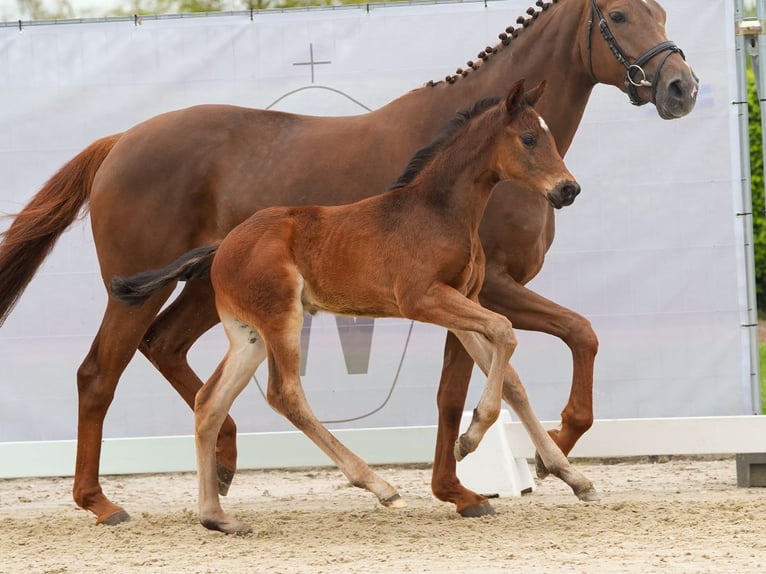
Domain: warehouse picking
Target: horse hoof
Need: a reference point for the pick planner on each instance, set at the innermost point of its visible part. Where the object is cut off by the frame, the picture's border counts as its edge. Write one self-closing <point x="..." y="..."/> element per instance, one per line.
<point x="477" y="510"/>
<point x="234" y="527"/>
<point x="588" y="494"/>
<point x="113" y="519"/>
<point x="394" y="501"/>
<point x="459" y="450"/>
<point x="540" y="469"/>
<point x="225" y="476"/>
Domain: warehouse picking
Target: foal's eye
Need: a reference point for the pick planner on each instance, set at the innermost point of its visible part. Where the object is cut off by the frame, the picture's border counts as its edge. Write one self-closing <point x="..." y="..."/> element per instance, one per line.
<point x="528" y="140"/>
<point x="617" y="17"/>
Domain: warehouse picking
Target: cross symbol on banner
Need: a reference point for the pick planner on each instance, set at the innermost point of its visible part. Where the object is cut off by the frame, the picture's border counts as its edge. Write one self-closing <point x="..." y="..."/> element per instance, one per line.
<point x="312" y="62"/>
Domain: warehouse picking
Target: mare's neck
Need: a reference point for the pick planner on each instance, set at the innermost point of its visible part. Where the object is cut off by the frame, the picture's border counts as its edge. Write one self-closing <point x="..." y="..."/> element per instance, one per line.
<point x="548" y="49"/>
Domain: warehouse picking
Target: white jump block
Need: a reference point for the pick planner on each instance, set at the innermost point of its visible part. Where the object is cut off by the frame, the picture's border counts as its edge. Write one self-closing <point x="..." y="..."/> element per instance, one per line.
<point x="492" y="469"/>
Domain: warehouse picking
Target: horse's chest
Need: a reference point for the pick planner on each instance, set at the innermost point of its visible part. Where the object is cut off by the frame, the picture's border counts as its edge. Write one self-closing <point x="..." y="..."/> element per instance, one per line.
<point x="472" y="273"/>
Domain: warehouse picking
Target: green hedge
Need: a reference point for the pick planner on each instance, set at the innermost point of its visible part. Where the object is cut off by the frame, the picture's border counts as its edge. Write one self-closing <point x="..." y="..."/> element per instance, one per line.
<point x="756" y="167"/>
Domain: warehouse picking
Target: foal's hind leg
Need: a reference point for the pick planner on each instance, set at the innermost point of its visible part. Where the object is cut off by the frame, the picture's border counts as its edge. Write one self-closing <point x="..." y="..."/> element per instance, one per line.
<point x="285" y="394"/>
<point x="166" y="344"/>
<point x="113" y="347"/>
<point x="246" y="351"/>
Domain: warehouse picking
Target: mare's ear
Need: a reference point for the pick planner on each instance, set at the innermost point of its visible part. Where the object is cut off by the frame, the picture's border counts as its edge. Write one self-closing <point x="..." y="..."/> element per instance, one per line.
<point x="533" y="95"/>
<point x="515" y="97"/>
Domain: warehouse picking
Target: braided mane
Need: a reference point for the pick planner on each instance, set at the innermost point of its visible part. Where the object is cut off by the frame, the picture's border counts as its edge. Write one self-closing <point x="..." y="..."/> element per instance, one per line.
<point x="510" y="33"/>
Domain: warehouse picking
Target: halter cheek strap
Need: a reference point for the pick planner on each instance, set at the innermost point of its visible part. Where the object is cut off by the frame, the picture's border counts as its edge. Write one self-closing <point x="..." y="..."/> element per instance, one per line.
<point x="635" y="76"/>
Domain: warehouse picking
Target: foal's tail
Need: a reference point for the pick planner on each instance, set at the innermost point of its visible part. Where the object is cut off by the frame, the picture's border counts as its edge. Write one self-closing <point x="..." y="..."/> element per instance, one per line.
<point x="138" y="288"/>
<point x="34" y="231"/>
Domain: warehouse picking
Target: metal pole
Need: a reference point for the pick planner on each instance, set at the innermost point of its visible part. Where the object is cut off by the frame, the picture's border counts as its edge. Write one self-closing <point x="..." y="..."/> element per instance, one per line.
<point x="747" y="40"/>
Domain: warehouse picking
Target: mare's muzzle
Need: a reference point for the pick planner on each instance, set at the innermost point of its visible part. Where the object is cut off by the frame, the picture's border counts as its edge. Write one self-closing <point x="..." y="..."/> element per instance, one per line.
<point x="564" y="194"/>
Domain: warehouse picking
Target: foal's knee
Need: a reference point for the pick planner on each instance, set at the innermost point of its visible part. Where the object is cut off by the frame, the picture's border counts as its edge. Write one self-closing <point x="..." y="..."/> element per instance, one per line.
<point x="502" y="334"/>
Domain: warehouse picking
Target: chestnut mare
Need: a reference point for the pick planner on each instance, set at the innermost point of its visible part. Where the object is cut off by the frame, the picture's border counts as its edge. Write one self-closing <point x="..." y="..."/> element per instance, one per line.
<point x="413" y="252"/>
<point x="175" y="182"/>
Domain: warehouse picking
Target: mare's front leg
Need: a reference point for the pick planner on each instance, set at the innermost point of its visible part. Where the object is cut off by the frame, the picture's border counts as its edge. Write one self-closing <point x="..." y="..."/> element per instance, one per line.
<point x="453" y="388"/>
<point x="166" y="345"/>
<point x="532" y="312"/>
<point x="246" y="351"/>
<point x="114" y="345"/>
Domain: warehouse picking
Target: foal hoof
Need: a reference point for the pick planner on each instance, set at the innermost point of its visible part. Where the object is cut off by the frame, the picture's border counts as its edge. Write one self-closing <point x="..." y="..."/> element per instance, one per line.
<point x="460" y="449"/>
<point x="234" y="527"/>
<point x="540" y="469"/>
<point x="225" y="476"/>
<point x="114" y="519"/>
<point x="477" y="510"/>
<point x="394" y="501"/>
<point x="589" y="494"/>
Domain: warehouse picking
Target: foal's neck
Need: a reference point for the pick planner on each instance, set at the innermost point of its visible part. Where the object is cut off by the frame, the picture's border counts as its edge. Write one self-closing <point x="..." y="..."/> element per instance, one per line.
<point x="458" y="182"/>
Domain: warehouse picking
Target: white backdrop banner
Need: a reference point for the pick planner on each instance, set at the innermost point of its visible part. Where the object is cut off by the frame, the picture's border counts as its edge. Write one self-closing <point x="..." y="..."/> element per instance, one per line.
<point x="651" y="252"/>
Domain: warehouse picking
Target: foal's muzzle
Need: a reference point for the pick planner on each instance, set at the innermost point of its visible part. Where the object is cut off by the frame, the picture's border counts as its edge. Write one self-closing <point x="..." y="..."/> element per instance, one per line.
<point x="564" y="194"/>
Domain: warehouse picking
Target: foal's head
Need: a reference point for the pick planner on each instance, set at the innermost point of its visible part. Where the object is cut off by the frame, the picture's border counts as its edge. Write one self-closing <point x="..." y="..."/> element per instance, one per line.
<point x="526" y="152"/>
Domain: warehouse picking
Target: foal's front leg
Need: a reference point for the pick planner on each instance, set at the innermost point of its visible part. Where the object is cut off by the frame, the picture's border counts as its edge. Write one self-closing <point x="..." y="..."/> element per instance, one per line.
<point x="532" y="312"/>
<point x="487" y="336"/>
<point x="552" y="457"/>
<point x="515" y="394"/>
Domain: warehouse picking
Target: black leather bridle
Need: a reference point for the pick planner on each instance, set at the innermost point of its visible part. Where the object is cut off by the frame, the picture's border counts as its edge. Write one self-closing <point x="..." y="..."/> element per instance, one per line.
<point x="635" y="76"/>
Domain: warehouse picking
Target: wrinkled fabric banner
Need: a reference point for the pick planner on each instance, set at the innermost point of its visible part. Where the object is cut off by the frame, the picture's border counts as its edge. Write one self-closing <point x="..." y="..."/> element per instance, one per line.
<point x="651" y="252"/>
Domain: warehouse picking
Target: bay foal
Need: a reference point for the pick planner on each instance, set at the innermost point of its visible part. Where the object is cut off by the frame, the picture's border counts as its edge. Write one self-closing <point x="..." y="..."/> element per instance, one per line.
<point x="412" y="252"/>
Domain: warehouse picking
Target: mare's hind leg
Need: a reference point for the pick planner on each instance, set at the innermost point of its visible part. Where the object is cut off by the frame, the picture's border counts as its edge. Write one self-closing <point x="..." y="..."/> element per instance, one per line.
<point x="453" y="388"/>
<point x="285" y="395"/>
<point x="246" y="351"/>
<point x="166" y="345"/>
<point x="114" y="345"/>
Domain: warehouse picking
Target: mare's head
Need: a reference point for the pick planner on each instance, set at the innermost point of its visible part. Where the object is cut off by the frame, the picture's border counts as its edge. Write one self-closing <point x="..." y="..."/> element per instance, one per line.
<point x="626" y="46"/>
<point x="525" y="150"/>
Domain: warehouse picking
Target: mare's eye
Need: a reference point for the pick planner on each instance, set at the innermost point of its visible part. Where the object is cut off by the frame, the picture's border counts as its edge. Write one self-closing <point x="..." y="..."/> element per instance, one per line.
<point x="528" y="140"/>
<point x="617" y="17"/>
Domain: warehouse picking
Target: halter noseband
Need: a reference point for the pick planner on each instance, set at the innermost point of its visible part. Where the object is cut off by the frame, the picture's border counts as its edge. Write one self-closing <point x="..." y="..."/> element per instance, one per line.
<point x="635" y="76"/>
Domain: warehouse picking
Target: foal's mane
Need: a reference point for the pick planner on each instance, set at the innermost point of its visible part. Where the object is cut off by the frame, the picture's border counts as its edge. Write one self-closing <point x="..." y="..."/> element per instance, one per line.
<point x="447" y="134"/>
<point x="506" y="37"/>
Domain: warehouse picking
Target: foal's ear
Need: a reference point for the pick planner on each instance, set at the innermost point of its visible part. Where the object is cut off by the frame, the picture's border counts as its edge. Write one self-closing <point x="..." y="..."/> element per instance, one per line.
<point x="533" y="95"/>
<point x="515" y="97"/>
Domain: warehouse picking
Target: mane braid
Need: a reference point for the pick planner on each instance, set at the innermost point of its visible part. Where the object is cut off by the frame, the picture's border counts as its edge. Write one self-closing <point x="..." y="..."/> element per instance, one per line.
<point x="424" y="155"/>
<point x="505" y="39"/>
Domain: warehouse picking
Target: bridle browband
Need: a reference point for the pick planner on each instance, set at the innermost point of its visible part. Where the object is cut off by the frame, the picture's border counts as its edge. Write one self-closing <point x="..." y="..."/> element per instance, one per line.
<point x="635" y="76"/>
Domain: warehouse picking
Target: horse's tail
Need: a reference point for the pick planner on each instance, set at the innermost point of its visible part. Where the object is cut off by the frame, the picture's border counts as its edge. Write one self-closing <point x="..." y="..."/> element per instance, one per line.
<point x="34" y="231"/>
<point x="138" y="288"/>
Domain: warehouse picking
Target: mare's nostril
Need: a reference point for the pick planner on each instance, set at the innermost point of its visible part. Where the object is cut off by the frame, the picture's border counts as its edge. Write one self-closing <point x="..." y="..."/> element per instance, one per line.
<point x="676" y="89"/>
